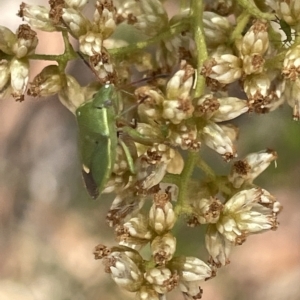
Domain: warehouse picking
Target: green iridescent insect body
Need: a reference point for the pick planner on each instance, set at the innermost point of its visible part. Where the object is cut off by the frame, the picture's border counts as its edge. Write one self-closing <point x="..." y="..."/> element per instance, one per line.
<point x="98" y="138"/>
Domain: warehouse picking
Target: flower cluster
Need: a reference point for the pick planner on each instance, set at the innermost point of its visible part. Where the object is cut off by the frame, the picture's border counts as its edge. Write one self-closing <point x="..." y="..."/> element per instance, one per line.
<point x="249" y="63"/>
<point x="144" y="146"/>
<point x="15" y="68"/>
<point x="164" y="271"/>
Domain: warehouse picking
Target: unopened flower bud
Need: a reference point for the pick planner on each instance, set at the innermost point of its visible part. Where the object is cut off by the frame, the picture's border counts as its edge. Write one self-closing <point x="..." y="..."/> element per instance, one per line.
<point x="90" y="43"/>
<point x="150" y="100"/>
<point x="152" y="165"/>
<point x="181" y="82"/>
<point x="124" y="271"/>
<point x="207" y="210"/>
<point x="263" y="96"/>
<point x="253" y="64"/>
<point x="185" y="135"/>
<point x="290" y="11"/>
<point x="177" y="110"/>
<point x="37" y="16"/>
<point x="215" y="138"/>
<point x="256" y="40"/>
<point x="127" y="12"/>
<point x="257" y="86"/>
<point x="230" y="108"/>
<point x="46" y="83"/>
<point x="224" y="68"/>
<point x="162" y="216"/>
<point x="246" y="170"/>
<point x="291" y="93"/>
<point x="7" y="40"/>
<point x="104" y="18"/>
<point x="178" y="106"/>
<point x="152" y="18"/>
<point x="162" y="279"/>
<point x="103" y="66"/>
<point x="135" y="233"/>
<point x="19" y="69"/>
<point x="169" y="52"/>
<point x="162" y="248"/>
<point x="206" y="106"/>
<point x="75" y="21"/>
<point x="217" y="246"/>
<point x="26" y="42"/>
<point x="194" y="269"/>
<point x="291" y="63"/>
<point x="216" y="28"/>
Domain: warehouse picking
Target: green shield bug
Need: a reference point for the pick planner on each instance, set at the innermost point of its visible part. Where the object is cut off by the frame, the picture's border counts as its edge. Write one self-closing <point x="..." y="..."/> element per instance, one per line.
<point x="98" y="138"/>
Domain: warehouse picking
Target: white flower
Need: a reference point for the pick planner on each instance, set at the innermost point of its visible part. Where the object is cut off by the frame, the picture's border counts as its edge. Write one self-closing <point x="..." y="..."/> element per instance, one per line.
<point x="216" y="139"/>
<point x="19" y="69"/>
<point x="217" y="246"/>
<point x="124" y="271"/>
<point x="37" y="16"/>
<point x="246" y="170"/>
<point x="247" y="212"/>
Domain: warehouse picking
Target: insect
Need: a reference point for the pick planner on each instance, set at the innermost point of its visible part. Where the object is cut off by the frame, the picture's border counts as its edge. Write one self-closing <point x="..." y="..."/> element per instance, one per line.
<point x="287" y="30"/>
<point x="98" y="138"/>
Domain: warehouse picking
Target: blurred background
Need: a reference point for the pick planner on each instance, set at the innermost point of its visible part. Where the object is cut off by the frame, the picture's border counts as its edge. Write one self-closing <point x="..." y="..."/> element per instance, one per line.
<point x="49" y="226"/>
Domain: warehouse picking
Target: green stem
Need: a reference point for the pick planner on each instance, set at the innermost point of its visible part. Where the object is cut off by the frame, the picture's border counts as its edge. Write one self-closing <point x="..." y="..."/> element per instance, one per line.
<point x="242" y="21"/>
<point x="187" y="172"/>
<point x="61" y="59"/>
<point x="197" y="25"/>
<point x="219" y="182"/>
<point x="209" y="172"/>
<point x="252" y="9"/>
<point x="172" y="179"/>
<point x="44" y="57"/>
<point x="174" y="30"/>
<point x="222" y="183"/>
<point x="69" y="52"/>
